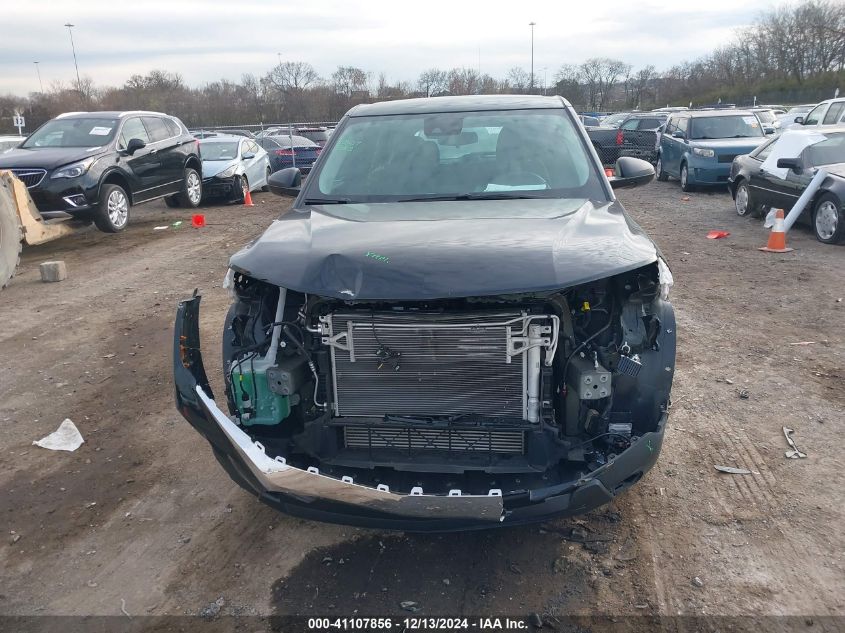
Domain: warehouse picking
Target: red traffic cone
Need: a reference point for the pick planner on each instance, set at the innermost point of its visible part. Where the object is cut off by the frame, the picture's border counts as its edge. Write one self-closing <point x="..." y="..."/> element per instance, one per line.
<point x="777" y="238"/>
<point x="248" y="199"/>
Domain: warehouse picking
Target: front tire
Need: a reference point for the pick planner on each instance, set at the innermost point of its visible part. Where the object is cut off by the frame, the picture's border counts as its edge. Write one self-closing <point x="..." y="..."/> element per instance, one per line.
<point x="191" y="194"/>
<point x="744" y="201"/>
<point x="266" y="186"/>
<point x="829" y="220"/>
<point x="685" y="184"/>
<point x="112" y="213"/>
<point x="662" y="176"/>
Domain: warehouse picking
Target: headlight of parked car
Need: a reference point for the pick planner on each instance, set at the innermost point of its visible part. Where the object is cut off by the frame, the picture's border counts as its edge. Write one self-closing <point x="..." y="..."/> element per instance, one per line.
<point x="228" y="172"/>
<point x="706" y="153"/>
<point x="664" y="277"/>
<point x="75" y="170"/>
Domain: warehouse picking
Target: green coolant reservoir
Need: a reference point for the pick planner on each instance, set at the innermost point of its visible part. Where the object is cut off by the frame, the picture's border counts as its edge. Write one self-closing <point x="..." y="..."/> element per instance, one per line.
<point x="252" y="395"/>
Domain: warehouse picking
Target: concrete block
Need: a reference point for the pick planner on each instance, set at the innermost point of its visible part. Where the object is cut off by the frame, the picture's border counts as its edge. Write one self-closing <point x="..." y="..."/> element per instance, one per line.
<point x="53" y="271"/>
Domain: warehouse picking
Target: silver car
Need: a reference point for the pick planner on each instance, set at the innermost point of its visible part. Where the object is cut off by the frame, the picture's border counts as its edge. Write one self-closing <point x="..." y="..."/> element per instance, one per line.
<point x="233" y="165"/>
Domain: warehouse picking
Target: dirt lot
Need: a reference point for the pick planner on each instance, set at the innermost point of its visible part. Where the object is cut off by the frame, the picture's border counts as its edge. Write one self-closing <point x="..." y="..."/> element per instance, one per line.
<point x="142" y="518"/>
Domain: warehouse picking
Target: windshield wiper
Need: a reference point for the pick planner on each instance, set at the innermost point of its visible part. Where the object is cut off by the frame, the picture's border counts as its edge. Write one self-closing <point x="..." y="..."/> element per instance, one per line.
<point x="480" y="195"/>
<point x="327" y="201"/>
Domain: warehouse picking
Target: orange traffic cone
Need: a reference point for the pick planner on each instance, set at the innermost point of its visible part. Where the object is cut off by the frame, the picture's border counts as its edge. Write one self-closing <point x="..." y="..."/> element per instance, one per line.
<point x="777" y="238"/>
<point x="248" y="199"/>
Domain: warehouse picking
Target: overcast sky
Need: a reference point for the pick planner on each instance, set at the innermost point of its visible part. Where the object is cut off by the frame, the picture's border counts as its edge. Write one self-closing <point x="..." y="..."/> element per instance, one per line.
<point x="209" y="39"/>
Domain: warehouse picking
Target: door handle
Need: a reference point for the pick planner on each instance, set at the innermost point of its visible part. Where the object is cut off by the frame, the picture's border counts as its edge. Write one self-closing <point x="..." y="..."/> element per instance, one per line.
<point x="153" y="151"/>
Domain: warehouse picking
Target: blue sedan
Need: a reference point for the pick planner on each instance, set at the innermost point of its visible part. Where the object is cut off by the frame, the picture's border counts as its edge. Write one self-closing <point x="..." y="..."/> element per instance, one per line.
<point x="290" y="151"/>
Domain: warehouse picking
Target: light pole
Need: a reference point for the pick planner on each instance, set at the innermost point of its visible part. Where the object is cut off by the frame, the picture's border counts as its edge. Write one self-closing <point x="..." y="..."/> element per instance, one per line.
<point x="75" y="64"/>
<point x="531" y="83"/>
<point x="280" y="58"/>
<point x="38" y="70"/>
<point x="545" y="68"/>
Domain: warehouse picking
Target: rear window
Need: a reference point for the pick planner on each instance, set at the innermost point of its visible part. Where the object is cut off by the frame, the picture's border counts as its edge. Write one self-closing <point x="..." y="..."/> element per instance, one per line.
<point x="75" y="132"/>
<point x="318" y="136"/>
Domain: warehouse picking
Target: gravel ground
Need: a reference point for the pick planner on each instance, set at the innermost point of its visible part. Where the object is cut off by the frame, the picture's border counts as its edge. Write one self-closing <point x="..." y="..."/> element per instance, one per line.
<point x="141" y="518"/>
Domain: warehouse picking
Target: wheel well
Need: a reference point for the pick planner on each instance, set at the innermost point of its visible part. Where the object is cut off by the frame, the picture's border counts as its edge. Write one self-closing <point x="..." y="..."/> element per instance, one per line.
<point x="811" y="206"/>
<point x="116" y="178"/>
<point x="195" y="163"/>
<point x="735" y="185"/>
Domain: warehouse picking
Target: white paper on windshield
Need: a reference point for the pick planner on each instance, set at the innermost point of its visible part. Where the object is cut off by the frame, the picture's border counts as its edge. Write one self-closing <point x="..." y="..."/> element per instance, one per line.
<point x="790" y="145"/>
<point x="497" y="187"/>
<point x="750" y="120"/>
<point x="100" y="131"/>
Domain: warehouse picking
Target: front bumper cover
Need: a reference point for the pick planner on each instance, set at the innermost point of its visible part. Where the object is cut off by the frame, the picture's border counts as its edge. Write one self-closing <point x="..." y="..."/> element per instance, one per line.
<point x="309" y="494"/>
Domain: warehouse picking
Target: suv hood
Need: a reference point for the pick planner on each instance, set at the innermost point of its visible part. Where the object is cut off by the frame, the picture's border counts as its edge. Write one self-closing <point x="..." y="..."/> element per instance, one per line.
<point x="47" y="157"/>
<point x="556" y="244"/>
<point x="213" y="167"/>
<point x="734" y="145"/>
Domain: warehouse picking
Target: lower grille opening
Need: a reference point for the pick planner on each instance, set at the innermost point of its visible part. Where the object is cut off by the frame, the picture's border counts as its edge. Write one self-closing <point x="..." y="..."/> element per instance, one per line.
<point x="494" y="441"/>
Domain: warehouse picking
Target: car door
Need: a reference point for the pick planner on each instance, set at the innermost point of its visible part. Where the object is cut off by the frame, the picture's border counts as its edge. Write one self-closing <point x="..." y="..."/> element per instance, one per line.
<point x="667" y="144"/>
<point x="760" y="183"/>
<point x="140" y="167"/>
<point x="253" y="165"/>
<point x="166" y="148"/>
<point x="781" y="193"/>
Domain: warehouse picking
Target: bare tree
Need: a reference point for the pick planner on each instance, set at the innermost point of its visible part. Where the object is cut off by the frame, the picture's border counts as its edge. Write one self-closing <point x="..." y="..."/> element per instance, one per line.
<point x="518" y="80"/>
<point x="432" y="82"/>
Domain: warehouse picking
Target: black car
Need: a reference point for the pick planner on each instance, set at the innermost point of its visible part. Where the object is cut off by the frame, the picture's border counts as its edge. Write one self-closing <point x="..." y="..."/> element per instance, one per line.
<point x="753" y="188"/>
<point x="637" y="135"/>
<point x="455" y="326"/>
<point x="96" y="165"/>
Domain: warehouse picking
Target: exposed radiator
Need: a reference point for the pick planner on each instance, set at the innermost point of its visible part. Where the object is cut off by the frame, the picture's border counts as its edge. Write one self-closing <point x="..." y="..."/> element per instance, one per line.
<point x="410" y="439"/>
<point x="431" y="364"/>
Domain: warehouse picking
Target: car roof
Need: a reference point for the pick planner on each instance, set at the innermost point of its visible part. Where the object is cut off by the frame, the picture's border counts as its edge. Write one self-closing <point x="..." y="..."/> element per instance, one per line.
<point x="469" y="103"/>
<point x="696" y="114"/>
<point x="285" y="137"/>
<point x="116" y="114"/>
<point x="223" y="137"/>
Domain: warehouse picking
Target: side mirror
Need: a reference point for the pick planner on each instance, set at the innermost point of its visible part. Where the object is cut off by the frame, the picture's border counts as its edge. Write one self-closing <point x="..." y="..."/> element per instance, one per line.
<point x="790" y="163"/>
<point x="286" y="182"/>
<point x="678" y="134"/>
<point x="134" y="145"/>
<point x="248" y="156"/>
<point x="799" y="119"/>
<point x="768" y="130"/>
<point x="631" y="172"/>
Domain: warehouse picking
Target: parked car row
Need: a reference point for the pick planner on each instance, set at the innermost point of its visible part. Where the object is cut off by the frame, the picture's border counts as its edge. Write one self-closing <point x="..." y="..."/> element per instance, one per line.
<point x="755" y="188"/>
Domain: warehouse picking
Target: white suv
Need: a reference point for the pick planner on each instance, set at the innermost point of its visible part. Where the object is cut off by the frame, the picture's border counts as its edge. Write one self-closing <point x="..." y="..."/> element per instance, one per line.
<point x="830" y="112"/>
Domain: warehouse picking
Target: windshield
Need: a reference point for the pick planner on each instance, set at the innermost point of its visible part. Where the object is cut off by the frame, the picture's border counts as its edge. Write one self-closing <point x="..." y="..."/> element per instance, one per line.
<point x="828" y="152"/>
<point x="739" y="126"/>
<point x="87" y="132"/>
<point x="513" y="153"/>
<point x="219" y="151"/>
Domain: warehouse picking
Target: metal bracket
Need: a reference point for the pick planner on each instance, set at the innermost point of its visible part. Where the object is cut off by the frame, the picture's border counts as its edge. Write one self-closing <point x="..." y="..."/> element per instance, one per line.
<point x="522" y="341"/>
<point x="334" y="340"/>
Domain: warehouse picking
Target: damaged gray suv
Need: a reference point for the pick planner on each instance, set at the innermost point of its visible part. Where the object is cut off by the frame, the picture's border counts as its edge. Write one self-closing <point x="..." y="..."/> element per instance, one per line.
<point x="456" y="326"/>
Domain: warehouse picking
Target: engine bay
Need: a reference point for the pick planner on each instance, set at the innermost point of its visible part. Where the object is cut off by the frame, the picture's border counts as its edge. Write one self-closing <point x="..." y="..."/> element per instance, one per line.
<point x="508" y="392"/>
